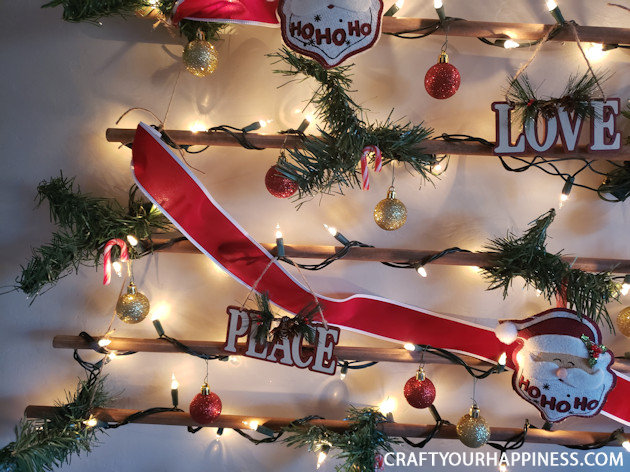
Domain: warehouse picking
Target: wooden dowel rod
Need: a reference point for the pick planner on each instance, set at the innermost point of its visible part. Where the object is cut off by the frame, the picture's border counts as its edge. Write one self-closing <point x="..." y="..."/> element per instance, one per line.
<point x="216" y="348"/>
<point x="516" y="31"/>
<point x="354" y="353"/>
<point x="374" y="254"/>
<point x="220" y="138"/>
<point x="174" y="418"/>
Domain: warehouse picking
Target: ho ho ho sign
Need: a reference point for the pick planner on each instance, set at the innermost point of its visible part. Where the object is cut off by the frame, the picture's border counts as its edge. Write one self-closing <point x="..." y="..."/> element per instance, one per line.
<point x="540" y="136"/>
<point x="285" y="351"/>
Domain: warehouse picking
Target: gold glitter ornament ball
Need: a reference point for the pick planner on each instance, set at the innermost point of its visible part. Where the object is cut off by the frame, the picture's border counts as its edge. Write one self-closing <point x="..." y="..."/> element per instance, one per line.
<point x="133" y="306"/>
<point x="472" y="429"/>
<point x="390" y="213"/>
<point x="623" y="322"/>
<point x="200" y="58"/>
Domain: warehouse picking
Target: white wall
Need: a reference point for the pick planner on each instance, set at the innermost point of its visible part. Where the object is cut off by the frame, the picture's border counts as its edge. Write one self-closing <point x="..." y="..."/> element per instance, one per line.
<point x="63" y="84"/>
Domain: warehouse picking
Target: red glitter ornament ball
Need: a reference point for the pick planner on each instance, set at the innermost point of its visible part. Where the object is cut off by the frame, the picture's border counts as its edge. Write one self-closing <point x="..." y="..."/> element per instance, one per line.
<point x="206" y="406"/>
<point x="419" y="393"/>
<point x="279" y="185"/>
<point x="442" y="79"/>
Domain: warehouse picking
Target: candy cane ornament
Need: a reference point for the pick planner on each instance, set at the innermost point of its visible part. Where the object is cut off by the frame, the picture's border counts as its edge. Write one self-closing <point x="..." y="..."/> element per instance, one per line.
<point x="107" y="258"/>
<point x="378" y="164"/>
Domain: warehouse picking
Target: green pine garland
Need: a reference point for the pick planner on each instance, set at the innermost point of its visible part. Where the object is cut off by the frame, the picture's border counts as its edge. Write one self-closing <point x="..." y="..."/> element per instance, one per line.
<point x="85" y="225"/>
<point x="328" y="163"/>
<point x="356" y="447"/>
<point x="527" y="257"/>
<point x="42" y="445"/>
<point x="288" y="328"/>
<point x="578" y="93"/>
<point x="91" y="11"/>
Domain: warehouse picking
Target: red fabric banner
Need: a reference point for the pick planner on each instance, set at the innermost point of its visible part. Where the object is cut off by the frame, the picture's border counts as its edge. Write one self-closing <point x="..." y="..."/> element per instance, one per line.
<point x="170" y="185"/>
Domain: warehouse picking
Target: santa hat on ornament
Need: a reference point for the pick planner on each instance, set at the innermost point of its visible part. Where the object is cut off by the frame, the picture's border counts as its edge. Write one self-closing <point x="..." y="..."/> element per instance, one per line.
<point x="249" y="12"/>
<point x="556" y="330"/>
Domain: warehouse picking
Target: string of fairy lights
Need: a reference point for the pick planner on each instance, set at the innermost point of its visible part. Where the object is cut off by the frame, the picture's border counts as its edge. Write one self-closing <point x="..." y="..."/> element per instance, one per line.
<point x="419" y="391"/>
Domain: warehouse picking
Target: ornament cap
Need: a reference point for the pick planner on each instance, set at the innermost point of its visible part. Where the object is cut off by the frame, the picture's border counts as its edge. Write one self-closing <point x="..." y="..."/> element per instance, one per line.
<point x="420" y="375"/>
<point x="391" y="192"/>
<point x="131" y="288"/>
<point x="205" y="390"/>
<point x="443" y="59"/>
<point x="474" y="411"/>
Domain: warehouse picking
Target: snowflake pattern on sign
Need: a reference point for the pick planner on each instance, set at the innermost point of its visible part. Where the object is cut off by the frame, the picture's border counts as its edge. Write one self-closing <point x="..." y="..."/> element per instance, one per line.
<point x="330" y="32"/>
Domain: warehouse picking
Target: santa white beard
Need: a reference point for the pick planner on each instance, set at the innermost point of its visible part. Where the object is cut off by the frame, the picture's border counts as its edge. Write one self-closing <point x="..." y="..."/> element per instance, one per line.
<point x="578" y="394"/>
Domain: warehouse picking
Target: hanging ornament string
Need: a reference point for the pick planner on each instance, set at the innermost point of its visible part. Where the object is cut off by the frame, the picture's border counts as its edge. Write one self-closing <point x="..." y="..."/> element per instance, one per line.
<point x="378" y="164"/>
<point x="550" y="33"/>
<point x="107" y="258"/>
<point x="308" y="286"/>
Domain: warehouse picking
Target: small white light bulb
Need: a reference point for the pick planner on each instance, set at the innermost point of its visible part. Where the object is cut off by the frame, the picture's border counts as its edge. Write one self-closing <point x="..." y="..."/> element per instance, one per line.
<point x="90" y="422"/>
<point x="437" y="3"/>
<point x="400" y="3"/>
<point x="595" y="52"/>
<point x="278" y="232"/>
<point x="387" y="406"/>
<point x="502" y="359"/>
<point x="132" y="240"/>
<point x="331" y="229"/>
<point x="410" y="346"/>
<point x="104" y="342"/>
<point x="253" y="424"/>
<point x="174" y="382"/>
<point x="626" y="445"/>
<point x="112" y="356"/>
<point x="117" y="266"/>
<point x="625" y="288"/>
<point x="510" y="44"/>
<point x="422" y="271"/>
<point x="551" y="4"/>
<point x="503" y="467"/>
<point x="197" y="126"/>
<point x="321" y="457"/>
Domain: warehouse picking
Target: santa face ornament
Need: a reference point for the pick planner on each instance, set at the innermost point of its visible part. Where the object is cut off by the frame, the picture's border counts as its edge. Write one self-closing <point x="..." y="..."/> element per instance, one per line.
<point x="561" y="367"/>
<point x="331" y="31"/>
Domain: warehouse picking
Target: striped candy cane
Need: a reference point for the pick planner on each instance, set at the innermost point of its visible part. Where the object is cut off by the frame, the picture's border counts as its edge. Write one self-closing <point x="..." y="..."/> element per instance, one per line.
<point x="378" y="164"/>
<point x="107" y="258"/>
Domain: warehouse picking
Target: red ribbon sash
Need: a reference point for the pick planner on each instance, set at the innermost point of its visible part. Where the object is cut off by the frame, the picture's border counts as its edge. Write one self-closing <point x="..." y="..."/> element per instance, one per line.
<point x="169" y="184"/>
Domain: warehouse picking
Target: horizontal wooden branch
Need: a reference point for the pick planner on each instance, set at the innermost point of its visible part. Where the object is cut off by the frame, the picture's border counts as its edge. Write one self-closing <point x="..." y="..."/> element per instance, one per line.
<point x="216" y="348"/>
<point x="342" y="352"/>
<point x="540" y="436"/>
<point x="220" y="138"/>
<point x="515" y="31"/>
<point x="374" y="254"/>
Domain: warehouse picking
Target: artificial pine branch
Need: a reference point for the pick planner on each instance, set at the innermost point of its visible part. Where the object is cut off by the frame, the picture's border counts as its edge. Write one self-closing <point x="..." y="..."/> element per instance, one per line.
<point x="91" y="11"/>
<point x="527" y="257"/>
<point x="356" y="447"/>
<point x="42" y="445"/>
<point x="288" y="328"/>
<point x="85" y="224"/>
<point x="328" y="163"/>
<point x="575" y="99"/>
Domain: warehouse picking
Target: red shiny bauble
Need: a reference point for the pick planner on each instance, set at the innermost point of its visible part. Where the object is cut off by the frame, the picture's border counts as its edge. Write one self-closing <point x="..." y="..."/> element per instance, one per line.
<point x="442" y="79"/>
<point x="419" y="393"/>
<point x="278" y="184"/>
<point x="205" y="407"/>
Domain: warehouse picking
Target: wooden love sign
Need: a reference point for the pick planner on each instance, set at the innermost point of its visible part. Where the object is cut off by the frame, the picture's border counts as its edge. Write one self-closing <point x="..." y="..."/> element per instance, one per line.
<point x="283" y="351"/>
<point x="603" y="133"/>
